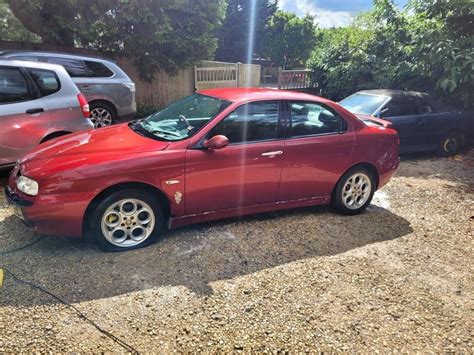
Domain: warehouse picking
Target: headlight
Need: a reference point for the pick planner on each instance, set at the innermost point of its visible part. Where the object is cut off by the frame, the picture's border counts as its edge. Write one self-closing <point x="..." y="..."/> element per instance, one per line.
<point x="27" y="186"/>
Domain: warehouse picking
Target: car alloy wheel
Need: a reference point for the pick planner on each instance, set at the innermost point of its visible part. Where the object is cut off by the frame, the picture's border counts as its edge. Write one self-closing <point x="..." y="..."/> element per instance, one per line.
<point x="101" y="117"/>
<point x="128" y="223"/>
<point x="356" y="191"/>
<point x="450" y="145"/>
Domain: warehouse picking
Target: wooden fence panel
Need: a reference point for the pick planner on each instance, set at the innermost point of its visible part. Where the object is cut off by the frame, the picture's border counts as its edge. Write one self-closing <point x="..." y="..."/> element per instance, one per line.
<point x="296" y="79"/>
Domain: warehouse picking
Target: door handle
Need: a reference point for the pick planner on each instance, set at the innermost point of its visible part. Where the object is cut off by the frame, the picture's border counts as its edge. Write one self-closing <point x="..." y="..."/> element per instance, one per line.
<point x="33" y="111"/>
<point x="86" y="87"/>
<point x="272" y="154"/>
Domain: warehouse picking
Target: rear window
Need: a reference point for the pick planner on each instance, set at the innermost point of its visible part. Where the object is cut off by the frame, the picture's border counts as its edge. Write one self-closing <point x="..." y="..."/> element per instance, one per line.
<point x="98" y="70"/>
<point x="13" y="86"/>
<point x="365" y="104"/>
<point x="46" y="80"/>
<point x="75" y="67"/>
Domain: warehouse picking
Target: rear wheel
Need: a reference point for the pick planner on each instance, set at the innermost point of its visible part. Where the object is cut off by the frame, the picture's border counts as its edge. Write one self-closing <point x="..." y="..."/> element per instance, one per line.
<point x="450" y="144"/>
<point x="354" y="191"/>
<point x="127" y="219"/>
<point x="102" y="114"/>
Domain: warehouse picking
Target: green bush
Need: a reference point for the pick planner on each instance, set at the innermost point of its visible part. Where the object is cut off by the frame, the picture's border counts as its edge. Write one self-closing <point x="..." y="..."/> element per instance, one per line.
<point x="145" y="110"/>
<point x="427" y="47"/>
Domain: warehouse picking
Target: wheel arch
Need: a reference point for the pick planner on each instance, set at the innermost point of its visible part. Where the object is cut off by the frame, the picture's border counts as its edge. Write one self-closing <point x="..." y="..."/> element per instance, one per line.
<point x="106" y="102"/>
<point x="154" y="191"/>
<point x="54" y="135"/>
<point x="371" y="167"/>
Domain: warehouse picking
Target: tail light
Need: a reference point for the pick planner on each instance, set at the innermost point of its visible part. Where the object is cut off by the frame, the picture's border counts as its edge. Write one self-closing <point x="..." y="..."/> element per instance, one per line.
<point x="84" y="105"/>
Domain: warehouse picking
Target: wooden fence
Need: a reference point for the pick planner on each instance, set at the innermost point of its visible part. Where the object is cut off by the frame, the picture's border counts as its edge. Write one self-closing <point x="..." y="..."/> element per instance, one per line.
<point x="210" y="74"/>
<point x="296" y="79"/>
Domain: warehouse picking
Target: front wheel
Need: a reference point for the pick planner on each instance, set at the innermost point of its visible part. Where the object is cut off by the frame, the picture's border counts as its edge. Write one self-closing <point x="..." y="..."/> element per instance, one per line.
<point x="354" y="191"/>
<point x="125" y="220"/>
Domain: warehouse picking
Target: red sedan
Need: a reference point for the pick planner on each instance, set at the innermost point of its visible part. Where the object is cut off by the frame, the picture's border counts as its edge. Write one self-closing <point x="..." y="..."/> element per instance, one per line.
<point x="215" y="154"/>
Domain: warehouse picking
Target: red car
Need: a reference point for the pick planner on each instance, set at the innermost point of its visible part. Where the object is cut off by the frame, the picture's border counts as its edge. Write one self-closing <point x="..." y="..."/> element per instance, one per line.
<point x="215" y="154"/>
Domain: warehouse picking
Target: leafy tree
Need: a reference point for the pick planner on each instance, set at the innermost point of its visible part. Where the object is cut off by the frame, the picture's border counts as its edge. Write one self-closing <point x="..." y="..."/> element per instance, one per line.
<point x="427" y="47"/>
<point x="159" y="34"/>
<point x="11" y="29"/>
<point x="342" y="62"/>
<point x="442" y="46"/>
<point x="234" y="33"/>
<point x="290" y="39"/>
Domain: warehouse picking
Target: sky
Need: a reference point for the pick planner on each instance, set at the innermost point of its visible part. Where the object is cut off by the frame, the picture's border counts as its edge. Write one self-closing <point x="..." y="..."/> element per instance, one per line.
<point x="330" y="13"/>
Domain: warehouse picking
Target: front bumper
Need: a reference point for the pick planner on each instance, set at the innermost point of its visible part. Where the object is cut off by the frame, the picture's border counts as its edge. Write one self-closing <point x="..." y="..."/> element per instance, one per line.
<point x="17" y="203"/>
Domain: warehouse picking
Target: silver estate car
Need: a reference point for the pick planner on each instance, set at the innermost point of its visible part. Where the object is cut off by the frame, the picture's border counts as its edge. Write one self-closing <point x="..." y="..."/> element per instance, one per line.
<point x="109" y="91"/>
<point x="38" y="102"/>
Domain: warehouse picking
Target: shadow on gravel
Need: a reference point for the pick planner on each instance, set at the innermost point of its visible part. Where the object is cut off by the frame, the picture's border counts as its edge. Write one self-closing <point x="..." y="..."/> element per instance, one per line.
<point x="193" y="256"/>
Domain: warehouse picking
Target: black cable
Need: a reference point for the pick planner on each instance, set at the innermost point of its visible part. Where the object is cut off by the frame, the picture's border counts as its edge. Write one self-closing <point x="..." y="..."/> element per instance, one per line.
<point x="22" y="247"/>
<point x="78" y="312"/>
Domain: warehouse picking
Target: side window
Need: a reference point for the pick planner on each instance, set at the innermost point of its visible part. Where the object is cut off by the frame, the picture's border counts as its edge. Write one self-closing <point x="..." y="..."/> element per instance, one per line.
<point x="13" y="86"/>
<point x="74" y="67"/>
<point x="407" y="106"/>
<point x="46" y="81"/>
<point x="257" y="121"/>
<point x="98" y="70"/>
<point x="309" y="118"/>
<point x="425" y="108"/>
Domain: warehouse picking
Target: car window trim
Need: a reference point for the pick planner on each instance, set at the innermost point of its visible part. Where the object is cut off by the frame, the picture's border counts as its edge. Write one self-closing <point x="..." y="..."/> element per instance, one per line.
<point x="32" y="91"/>
<point x="36" y="85"/>
<point x="280" y="128"/>
<point x="330" y="109"/>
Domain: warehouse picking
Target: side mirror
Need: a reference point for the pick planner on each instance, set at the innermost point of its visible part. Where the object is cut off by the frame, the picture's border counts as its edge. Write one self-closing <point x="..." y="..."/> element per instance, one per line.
<point x="216" y="142"/>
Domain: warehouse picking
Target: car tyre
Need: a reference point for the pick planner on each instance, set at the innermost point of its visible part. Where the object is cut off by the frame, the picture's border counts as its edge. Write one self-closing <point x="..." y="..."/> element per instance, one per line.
<point x="450" y="144"/>
<point x="127" y="219"/>
<point x="354" y="191"/>
<point x="102" y="114"/>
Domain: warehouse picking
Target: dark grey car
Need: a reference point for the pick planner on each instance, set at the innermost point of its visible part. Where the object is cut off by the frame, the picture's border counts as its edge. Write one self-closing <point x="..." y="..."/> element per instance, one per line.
<point x="109" y="91"/>
<point x="422" y="122"/>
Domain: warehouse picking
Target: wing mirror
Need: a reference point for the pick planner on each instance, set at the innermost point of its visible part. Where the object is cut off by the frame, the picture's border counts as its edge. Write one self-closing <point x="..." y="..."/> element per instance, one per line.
<point x="216" y="142"/>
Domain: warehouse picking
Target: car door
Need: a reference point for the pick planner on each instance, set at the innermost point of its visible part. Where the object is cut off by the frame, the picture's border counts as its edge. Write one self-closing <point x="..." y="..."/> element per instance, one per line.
<point x="318" y="147"/>
<point x="405" y="116"/>
<point x="438" y="121"/>
<point x="247" y="171"/>
<point x="24" y="117"/>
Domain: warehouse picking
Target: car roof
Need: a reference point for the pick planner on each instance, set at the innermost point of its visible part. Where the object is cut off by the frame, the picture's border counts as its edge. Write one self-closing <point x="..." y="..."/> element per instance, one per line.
<point x="260" y="94"/>
<point x="392" y="93"/>
<point x="27" y="64"/>
<point x="56" y="54"/>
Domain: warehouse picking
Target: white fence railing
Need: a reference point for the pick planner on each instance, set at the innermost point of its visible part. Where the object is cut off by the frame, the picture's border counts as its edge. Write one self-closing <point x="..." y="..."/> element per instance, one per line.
<point x="209" y="75"/>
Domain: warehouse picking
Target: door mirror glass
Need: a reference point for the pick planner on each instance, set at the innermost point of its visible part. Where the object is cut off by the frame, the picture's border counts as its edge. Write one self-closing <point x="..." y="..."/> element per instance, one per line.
<point x="216" y="142"/>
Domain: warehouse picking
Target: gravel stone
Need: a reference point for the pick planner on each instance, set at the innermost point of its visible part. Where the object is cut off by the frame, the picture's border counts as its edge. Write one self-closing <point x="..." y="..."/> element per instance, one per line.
<point x="398" y="277"/>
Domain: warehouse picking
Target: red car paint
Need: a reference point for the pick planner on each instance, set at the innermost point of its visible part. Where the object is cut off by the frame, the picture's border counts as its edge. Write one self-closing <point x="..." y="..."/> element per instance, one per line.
<point x="74" y="170"/>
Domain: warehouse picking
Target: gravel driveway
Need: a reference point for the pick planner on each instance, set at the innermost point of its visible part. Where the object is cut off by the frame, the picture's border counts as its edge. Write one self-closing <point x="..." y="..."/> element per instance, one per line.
<point x="399" y="276"/>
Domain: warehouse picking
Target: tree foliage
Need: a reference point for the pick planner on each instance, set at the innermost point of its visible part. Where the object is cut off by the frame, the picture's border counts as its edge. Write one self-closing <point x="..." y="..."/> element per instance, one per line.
<point x="234" y="34"/>
<point x="159" y="34"/>
<point x="11" y="29"/>
<point x="428" y="47"/>
<point x="290" y="39"/>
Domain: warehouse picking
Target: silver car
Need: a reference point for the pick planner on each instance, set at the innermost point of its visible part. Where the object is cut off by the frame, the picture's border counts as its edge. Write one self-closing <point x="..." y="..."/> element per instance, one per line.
<point x="110" y="92"/>
<point x="38" y="102"/>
